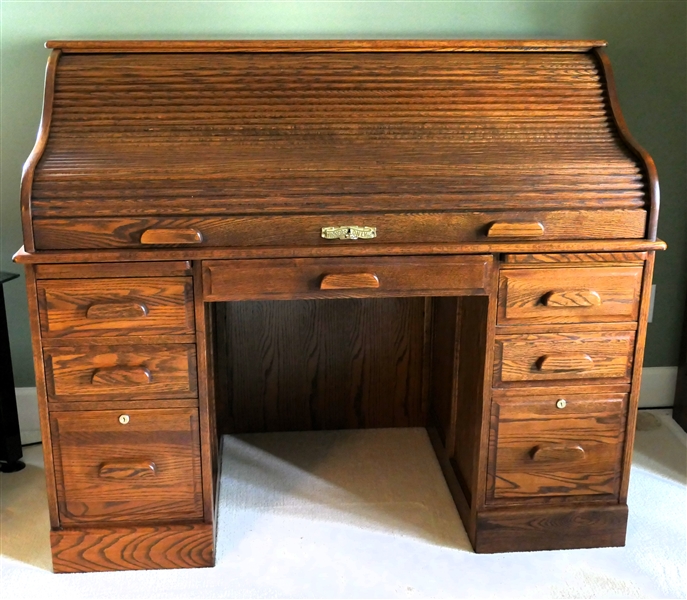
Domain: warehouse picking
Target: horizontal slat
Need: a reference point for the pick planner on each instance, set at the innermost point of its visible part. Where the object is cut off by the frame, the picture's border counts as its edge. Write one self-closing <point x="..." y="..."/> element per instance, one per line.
<point x="233" y="131"/>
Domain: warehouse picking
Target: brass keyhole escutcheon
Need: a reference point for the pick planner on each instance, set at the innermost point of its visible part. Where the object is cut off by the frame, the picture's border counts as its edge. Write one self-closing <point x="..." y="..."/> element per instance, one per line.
<point x="123" y="419"/>
<point x="561" y="403"/>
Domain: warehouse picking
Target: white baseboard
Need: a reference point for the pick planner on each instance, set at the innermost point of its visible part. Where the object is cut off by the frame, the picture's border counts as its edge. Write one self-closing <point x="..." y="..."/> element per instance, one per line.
<point x="658" y="387"/>
<point x="657" y="391"/>
<point x="27" y="407"/>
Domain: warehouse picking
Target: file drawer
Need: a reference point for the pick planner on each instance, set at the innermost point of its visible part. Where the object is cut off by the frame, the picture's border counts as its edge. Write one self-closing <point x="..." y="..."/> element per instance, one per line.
<point x="555" y="445"/>
<point x="139" y="465"/>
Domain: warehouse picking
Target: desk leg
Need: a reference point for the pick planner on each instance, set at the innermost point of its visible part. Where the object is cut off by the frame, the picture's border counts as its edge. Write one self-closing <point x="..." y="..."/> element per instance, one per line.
<point x="10" y="440"/>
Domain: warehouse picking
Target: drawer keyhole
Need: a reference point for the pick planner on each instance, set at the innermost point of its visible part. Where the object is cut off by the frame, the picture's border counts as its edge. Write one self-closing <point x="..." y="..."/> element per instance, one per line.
<point x="561" y="403"/>
<point x="123" y="419"/>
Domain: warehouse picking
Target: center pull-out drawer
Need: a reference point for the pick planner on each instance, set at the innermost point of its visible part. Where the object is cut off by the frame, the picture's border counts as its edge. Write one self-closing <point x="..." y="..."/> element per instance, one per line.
<point x="557" y="445"/>
<point x="569" y="295"/>
<point x="82" y="373"/>
<point x="137" y="465"/>
<point x="331" y="228"/>
<point x="145" y="306"/>
<point x="345" y="277"/>
<point x="536" y="359"/>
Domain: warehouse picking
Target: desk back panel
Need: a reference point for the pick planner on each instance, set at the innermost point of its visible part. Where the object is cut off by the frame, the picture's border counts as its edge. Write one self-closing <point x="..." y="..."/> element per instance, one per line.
<point x="320" y="364"/>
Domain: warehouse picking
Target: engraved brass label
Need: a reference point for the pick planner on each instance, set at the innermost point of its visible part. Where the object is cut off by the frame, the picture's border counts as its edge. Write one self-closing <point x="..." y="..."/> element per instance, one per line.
<point x="349" y="232"/>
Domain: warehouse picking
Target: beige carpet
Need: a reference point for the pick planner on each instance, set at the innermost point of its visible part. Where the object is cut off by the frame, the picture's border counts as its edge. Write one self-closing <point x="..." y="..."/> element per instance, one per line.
<point x="366" y="514"/>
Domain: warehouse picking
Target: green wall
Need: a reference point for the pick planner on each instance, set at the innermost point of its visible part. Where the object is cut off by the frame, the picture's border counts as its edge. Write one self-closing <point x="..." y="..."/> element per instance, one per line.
<point x="647" y="46"/>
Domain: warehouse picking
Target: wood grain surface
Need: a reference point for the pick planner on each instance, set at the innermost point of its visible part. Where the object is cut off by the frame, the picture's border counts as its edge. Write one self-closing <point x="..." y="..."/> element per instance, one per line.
<point x="86" y="442"/>
<point x="540" y="450"/>
<point x="303" y="278"/>
<point x="572" y="259"/>
<point x="292" y="230"/>
<point x="550" y="528"/>
<point x="158" y="46"/>
<point x="389" y="131"/>
<point x="129" y="372"/>
<point x="520" y="358"/>
<point x="59" y="257"/>
<point x="132" y="547"/>
<point x="74" y="308"/>
<point x="309" y="365"/>
<point x="574" y="295"/>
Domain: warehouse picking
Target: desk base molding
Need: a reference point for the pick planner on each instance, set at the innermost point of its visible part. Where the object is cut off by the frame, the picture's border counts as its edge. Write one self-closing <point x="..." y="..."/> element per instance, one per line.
<point x="171" y="546"/>
<point x="550" y="528"/>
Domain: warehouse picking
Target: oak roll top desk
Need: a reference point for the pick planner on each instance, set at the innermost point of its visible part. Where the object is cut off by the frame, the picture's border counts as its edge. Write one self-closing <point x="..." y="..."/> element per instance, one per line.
<point x="228" y="237"/>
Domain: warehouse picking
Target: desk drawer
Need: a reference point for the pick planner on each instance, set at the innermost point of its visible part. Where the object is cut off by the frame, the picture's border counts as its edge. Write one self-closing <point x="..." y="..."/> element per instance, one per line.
<point x="146" y="306"/>
<point x="345" y="277"/>
<point x="306" y="230"/>
<point x="542" y="447"/>
<point x="569" y="295"/>
<point x="552" y="358"/>
<point x="83" y="373"/>
<point x="137" y="465"/>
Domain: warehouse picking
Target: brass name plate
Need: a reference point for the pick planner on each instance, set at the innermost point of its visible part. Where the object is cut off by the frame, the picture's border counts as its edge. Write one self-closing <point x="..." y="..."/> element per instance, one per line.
<point x="349" y="232"/>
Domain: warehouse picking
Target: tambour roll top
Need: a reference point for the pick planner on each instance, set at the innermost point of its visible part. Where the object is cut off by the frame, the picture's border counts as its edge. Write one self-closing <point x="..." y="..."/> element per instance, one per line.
<point x="325" y="133"/>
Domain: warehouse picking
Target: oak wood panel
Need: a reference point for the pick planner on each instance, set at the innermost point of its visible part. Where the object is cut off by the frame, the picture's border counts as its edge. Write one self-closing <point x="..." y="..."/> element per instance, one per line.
<point x="121" y="404"/>
<point x="550" y="528"/>
<point x="638" y="360"/>
<point x="292" y="230"/>
<point x="134" y="129"/>
<point x="42" y="393"/>
<point x="538" y="449"/>
<point x="37" y="152"/>
<point x="594" y="294"/>
<point x="96" y="373"/>
<point x="312" y="365"/>
<point x="443" y="376"/>
<point x="572" y="259"/>
<point x="156" y="46"/>
<point x="469" y="394"/>
<point x="61" y="257"/>
<point x="150" y="306"/>
<point x="116" y="270"/>
<point x="131" y="547"/>
<point x="449" y="469"/>
<point x="302" y="278"/>
<point x="206" y="399"/>
<point x="86" y="441"/>
<point x="520" y="359"/>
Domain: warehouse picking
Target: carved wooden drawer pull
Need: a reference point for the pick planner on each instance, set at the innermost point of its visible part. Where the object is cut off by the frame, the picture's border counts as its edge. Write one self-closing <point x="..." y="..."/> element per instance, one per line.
<point x="127" y="469"/>
<point x="564" y="361"/>
<point x="349" y="281"/>
<point x="171" y="236"/>
<point x="121" y="376"/>
<point x="116" y="310"/>
<point x="557" y="453"/>
<point x="571" y="299"/>
<point x="510" y="229"/>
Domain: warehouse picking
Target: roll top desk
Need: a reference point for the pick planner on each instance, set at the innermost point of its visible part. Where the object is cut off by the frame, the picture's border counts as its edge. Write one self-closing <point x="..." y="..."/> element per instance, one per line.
<point x="231" y="237"/>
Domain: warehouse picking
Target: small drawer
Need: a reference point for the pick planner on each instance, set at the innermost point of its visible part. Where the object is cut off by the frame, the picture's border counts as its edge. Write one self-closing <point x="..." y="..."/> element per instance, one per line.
<point x="139" y="465"/>
<point x="345" y="277"/>
<point x="145" y="306"/>
<point x="445" y="227"/>
<point x="536" y="359"/>
<point x="83" y="373"/>
<point x="556" y="445"/>
<point x="569" y="295"/>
